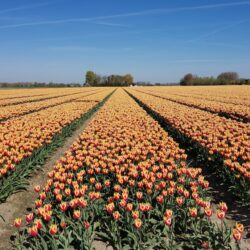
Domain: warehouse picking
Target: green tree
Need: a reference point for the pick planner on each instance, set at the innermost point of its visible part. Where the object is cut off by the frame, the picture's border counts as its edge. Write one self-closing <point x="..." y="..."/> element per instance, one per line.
<point x="90" y="77"/>
<point x="128" y="79"/>
<point x="97" y="80"/>
<point x="228" y="77"/>
<point x="94" y="79"/>
<point x="187" y="79"/>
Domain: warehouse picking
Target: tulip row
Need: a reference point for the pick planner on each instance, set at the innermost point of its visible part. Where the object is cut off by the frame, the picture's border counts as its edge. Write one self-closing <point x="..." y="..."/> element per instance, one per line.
<point x="18" y="94"/>
<point x="13" y="97"/>
<point x="229" y="110"/>
<point x="8" y="112"/>
<point x="32" y="97"/>
<point x="21" y="137"/>
<point x="218" y="135"/>
<point x="238" y="95"/>
<point x="124" y="181"/>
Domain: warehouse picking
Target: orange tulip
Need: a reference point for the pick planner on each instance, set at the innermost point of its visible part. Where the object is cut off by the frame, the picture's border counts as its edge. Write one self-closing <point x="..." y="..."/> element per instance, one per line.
<point x="237" y="235"/>
<point x="137" y="223"/>
<point x="18" y="222"/>
<point x="29" y="217"/>
<point x="37" y="188"/>
<point x="221" y="214"/>
<point x="168" y="221"/>
<point x="193" y="211"/>
<point x="53" y="229"/>
<point x="33" y="231"/>
<point x="76" y="214"/>
<point x="116" y="215"/>
<point x="239" y="227"/>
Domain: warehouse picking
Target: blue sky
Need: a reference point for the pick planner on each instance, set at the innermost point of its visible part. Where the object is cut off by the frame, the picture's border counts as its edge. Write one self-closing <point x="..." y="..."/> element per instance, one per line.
<point x="155" y="40"/>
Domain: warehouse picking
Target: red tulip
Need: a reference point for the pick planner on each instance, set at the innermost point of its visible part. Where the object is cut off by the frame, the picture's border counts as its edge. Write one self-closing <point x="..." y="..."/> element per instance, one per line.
<point x="237" y="235"/>
<point x="18" y="222"/>
<point x="33" y="231"/>
<point x="135" y="214"/>
<point x="179" y="200"/>
<point x="208" y="212"/>
<point x="116" y="215"/>
<point x="137" y="223"/>
<point x="110" y="207"/>
<point x="38" y="203"/>
<point x="37" y="188"/>
<point x="193" y="211"/>
<point x="86" y="225"/>
<point x="38" y="223"/>
<point x="205" y="244"/>
<point x="123" y="203"/>
<point x="168" y="213"/>
<point x="53" y="229"/>
<point x="221" y="214"/>
<point x="223" y="206"/>
<point x="168" y="221"/>
<point x="63" y="224"/>
<point x="47" y="216"/>
<point x="64" y="206"/>
<point x="129" y="207"/>
<point x="82" y="202"/>
<point x="139" y="195"/>
<point x="76" y="214"/>
<point x="160" y="199"/>
<point x="42" y="196"/>
<point x="29" y="217"/>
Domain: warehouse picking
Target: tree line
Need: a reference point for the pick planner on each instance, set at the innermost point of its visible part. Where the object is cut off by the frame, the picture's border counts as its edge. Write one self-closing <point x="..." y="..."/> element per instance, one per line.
<point x="225" y="78"/>
<point x="38" y="85"/>
<point x="93" y="79"/>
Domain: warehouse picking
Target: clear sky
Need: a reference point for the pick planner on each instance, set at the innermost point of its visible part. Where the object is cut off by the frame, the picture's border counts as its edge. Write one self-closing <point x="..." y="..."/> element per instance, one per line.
<point x="155" y="40"/>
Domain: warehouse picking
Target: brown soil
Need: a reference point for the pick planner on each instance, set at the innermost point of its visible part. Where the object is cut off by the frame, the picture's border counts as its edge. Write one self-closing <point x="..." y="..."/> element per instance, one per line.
<point x="245" y="242"/>
<point x="236" y="211"/>
<point x="99" y="245"/>
<point x="17" y="204"/>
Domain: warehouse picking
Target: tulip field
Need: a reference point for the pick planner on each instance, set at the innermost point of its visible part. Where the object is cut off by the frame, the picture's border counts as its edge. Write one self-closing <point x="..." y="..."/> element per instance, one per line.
<point x="22" y="136"/>
<point x="225" y="140"/>
<point x="130" y="180"/>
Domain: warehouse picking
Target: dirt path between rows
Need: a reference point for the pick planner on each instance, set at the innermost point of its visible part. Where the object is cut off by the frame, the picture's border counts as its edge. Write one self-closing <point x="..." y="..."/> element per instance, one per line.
<point x="21" y="203"/>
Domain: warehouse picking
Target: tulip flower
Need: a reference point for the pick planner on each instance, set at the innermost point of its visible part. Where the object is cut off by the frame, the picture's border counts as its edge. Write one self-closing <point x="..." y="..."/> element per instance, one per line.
<point x="86" y="225"/>
<point x="208" y="212"/>
<point x="135" y="214"/>
<point x="63" y="224"/>
<point x="116" y="215"/>
<point x="29" y="218"/>
<point x="64" y="206"/>
<point x="137" y="223"/>
<point x="18" y="222"/>
<point x="37" y="188"/>
<point x="221" y="214"/>
<point x="76" y="214"/>
<point x="33" y="231"/>
<point x="205" y="244"/>
<point x="223" y="206"/>
<point x="53" y="229"/>
<point x="168" y="213"/>
<point x="237" y="235"/>
<point x="168" y="221"/>
<point x="239" y="227"/>
<point x="193" y="212"/>
<point x="38" y="223"/>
